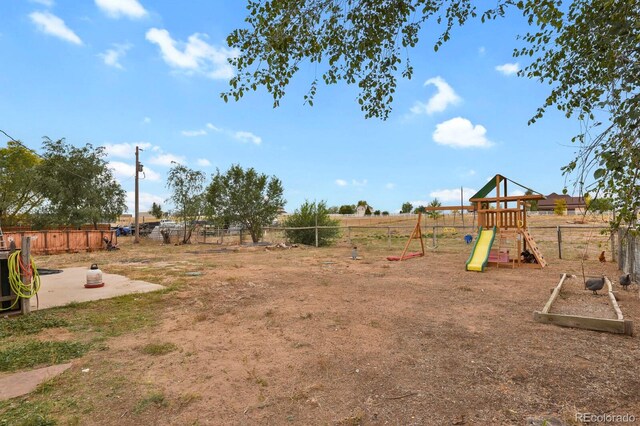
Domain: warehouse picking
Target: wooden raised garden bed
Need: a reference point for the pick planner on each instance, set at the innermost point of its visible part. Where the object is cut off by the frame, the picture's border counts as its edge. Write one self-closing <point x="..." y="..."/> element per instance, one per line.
<point x="599" y="313"/>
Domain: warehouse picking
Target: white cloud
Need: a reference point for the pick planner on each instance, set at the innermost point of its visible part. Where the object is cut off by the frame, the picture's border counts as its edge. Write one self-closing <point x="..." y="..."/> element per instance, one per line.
<point x="49" y="23"/>
<point x="461" y="133"/>
<point x="341" y="182"/>
<point x="214" y="128"/>
<point x="146" y="120"/>
<point x="482" y="50"/>
<point x="203" y="162"/>
<point x="122" y="171"/>
<point x="517" y="192"/>
<point x="145" y="200"/>
<point x="418" y="203"/>
<point x="118" y="8"/>
<point x="192" y="133"/>
<point x="508" y="69"/>
<point x="390" y="185"/>
<point x="166" y="159"/>
<point x="243" y="136"/>
<point x="444" y="97"/>
<point x="362" y="182"/>
<point x="468" y="173"/>
<point x="47" y="3"/>
<point x="112" y="56"/>
<point x="125" y="150"/>
<point x="452" y="196"/>
<point x="195" y="56"/>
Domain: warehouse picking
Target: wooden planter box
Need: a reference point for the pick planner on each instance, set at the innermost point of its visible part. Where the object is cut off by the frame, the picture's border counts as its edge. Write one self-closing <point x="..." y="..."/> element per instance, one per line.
<point x="618" y="325"/>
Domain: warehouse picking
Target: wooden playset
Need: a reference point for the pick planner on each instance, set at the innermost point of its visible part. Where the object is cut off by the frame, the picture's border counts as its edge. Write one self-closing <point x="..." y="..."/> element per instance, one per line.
<point x="503" y="237"/>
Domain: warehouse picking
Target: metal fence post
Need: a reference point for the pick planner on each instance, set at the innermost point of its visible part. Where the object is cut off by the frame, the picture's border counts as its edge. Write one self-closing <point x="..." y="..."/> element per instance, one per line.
<point x="434" y="237"/>
<point x="559" y="242"/>
<point x="389" y="237"/>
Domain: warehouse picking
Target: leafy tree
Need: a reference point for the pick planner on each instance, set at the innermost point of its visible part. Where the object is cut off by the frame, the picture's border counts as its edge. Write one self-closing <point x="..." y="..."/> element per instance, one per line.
<point x="156" y="210"/>
<point x="19" y="183"/>
<point x="347" y="209"/>
<point x="385" y="213"/>
<point x="419" y="209"/>
<point x="246" y="197"/>
<point x="587" y="200"/>
<point x="601" y="205"/>
<point x="406" y="207"/>
<point x="532" y="205"/>
<point x="78" y="185"/>
<point x="560" y="207"/>
<point x="187" y="196"/>
<point x="333" y="210"/>
<point x="434" y="214"/>
<point x="376" y="213"/>
<point x="362" y="203"/>
<point x="307" y="216"/>
<point x="367" y="211"/>
<point x="586" y="50"/>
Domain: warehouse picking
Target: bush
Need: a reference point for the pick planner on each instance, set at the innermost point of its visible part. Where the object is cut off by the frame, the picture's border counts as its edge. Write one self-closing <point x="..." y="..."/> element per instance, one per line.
<point x="305" y="216"/>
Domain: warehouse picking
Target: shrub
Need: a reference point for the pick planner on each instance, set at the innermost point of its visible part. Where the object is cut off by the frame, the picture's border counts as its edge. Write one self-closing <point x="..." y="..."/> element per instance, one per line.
<point x="560" y="207"/>
<point x="305" y="216"/>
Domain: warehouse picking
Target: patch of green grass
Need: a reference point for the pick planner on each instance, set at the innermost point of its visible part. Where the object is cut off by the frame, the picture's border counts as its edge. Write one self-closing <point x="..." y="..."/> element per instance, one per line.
<point x="26" y="413"/>
<point x="158" y="348"/>
<point x="31" y="353"/>
<point x="30" y="324"/>
<point x="155" y="399"/>
<point x="116" y="316"/>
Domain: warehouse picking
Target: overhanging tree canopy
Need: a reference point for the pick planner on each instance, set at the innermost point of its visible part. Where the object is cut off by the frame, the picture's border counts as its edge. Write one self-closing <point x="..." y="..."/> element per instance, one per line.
<point x="586" y="49"/>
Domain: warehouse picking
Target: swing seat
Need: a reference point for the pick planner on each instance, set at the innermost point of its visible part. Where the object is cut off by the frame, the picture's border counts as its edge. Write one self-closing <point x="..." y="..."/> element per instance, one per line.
<point x="406" y="256"/>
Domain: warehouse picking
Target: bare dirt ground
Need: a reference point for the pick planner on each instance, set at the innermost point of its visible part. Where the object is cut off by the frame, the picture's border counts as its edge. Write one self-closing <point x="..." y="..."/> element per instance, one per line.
<point x="309" y="336"/>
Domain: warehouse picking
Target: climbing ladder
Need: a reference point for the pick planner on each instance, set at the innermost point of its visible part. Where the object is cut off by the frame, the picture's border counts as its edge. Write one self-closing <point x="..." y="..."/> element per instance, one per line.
<point x="533" y="247"/>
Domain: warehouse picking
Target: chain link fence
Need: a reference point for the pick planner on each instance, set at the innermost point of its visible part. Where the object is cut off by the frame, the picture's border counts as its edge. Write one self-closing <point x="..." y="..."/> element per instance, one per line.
<point x="570" y="242"/>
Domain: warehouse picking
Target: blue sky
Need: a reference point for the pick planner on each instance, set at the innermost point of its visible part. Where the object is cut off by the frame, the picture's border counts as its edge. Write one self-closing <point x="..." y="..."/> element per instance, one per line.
<point x="121" y="73"/>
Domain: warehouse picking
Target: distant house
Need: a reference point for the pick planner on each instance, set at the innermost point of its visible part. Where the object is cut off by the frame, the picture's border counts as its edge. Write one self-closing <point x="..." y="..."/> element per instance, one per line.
<point x="360" y="210"/>
<point x="574" y="204"/>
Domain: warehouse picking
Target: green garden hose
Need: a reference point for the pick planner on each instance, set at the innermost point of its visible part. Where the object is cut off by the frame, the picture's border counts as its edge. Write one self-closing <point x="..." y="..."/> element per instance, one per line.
<point x="16" y="269"/>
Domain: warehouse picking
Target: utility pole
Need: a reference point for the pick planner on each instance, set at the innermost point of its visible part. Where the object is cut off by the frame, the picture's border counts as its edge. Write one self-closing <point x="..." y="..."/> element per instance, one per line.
<point x="136" y="238"/>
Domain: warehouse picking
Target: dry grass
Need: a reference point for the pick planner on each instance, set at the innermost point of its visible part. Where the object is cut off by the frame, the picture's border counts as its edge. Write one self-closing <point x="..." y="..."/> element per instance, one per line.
<point x="309" y="336"/>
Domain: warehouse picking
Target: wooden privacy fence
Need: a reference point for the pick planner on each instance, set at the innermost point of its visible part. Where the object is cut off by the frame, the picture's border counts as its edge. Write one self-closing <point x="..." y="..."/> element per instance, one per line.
<point x="629" y="259"/>
<point x="49" y="242"/>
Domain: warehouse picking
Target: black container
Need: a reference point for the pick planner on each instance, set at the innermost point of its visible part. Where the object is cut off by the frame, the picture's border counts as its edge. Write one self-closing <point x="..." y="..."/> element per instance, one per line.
<point x="5" y="288"/>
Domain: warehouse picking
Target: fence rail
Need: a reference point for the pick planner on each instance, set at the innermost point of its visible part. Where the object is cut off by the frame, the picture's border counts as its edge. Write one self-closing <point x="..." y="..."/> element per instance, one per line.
<point x="570" y="242"/>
